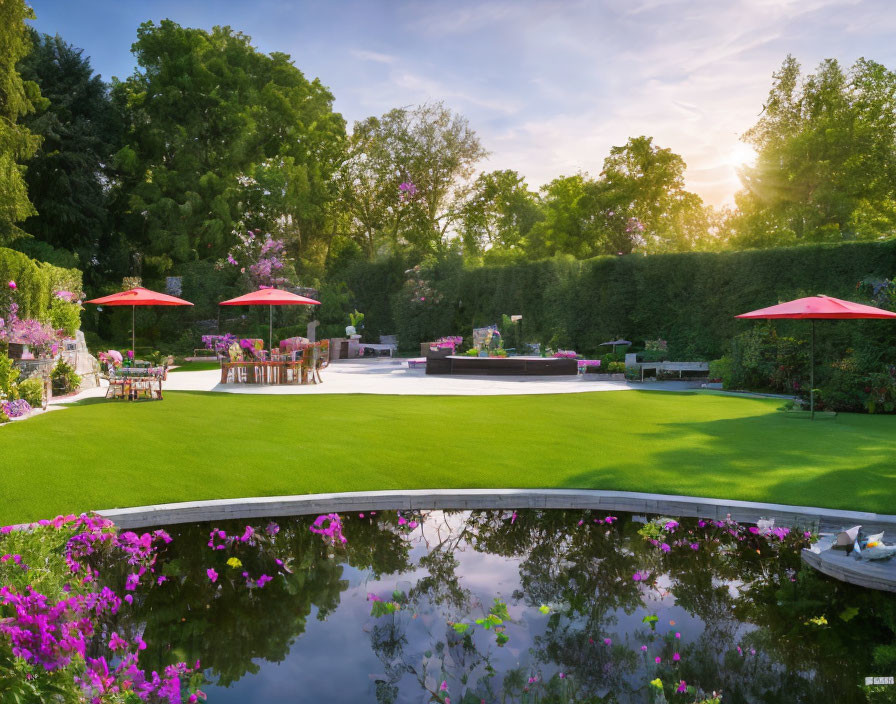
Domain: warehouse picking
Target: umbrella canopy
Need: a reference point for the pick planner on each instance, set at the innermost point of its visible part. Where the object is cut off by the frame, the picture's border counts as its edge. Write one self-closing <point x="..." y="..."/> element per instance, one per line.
<point x="817" y="308"/>
<point x="614" y="343"/>
<point x="270" y="297"/>
<point x="139" y="296"/>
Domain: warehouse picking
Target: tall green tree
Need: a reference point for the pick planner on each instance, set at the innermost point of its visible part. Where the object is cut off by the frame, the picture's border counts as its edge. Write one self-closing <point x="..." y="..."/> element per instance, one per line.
<point x="643" y="182"/>
<point x="17" y="98"/>
<point x="207" y="113"/>
<point x="499" y="213"/>
<point x="407" y="176"/>
<point x="571" y="221"/>
<point x="826" y="164"/>
<point x="67" y="177"/>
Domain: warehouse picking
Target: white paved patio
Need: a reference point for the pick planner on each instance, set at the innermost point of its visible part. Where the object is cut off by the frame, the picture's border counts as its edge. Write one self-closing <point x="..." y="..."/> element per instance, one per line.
<point x="392" y="376"/>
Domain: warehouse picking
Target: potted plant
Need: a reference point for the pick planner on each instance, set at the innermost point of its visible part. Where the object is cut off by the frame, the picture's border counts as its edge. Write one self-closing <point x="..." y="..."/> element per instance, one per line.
<point x="355" y="320"/>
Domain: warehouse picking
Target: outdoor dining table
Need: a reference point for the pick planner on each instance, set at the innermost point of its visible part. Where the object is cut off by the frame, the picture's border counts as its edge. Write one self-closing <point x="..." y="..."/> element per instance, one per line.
<point x="265" y="371"/>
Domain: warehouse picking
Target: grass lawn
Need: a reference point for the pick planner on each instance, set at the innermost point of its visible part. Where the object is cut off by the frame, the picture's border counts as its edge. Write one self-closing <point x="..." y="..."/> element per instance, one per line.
<point x="196" y="366"/>
<point x="104" y="454"/>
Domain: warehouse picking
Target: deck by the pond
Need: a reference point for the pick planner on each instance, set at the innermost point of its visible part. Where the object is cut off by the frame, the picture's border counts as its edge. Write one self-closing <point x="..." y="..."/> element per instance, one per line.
<point x="873" y="574"/>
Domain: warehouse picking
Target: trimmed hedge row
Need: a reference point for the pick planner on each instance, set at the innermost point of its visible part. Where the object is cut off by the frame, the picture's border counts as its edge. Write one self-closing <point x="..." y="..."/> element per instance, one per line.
<point x="36" y="282"/>
<point x="689" y="299"/>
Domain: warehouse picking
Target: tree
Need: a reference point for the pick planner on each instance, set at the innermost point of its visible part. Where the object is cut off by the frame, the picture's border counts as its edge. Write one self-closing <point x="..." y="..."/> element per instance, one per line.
<point x="826" y="164"/>
<point x="645" y="182"/>
<point x="570" y="224"/>
<point x="17" y="98"/>
<point x="499" y="213"/>
<point x="67" y="176"/>
<point x="406" y="177"/>
<point x="207" y="113"/>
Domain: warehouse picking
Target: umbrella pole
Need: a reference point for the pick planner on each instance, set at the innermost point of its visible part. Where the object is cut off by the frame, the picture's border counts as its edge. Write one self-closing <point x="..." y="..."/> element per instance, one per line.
<point x="812" y="375"/>
<point x="271" y="329"/>
<point x="134" y="329"/>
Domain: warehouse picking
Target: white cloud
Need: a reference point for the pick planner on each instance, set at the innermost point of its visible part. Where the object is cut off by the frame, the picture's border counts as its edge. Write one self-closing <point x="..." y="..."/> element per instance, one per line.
<point x="374" y="56"/>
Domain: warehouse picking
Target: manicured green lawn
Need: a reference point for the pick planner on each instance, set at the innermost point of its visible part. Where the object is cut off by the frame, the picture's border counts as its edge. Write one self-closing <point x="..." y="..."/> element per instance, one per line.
<point x="104" y="454"/>
<point x="196" y="366"/>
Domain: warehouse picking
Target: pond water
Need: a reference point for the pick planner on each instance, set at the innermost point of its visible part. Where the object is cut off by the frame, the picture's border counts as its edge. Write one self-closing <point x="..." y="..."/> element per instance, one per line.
<point x="501" y="606"/>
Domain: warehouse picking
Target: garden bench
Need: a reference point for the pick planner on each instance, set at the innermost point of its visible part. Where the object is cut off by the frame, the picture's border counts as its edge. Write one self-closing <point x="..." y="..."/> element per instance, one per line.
<point x="674" y="367"/>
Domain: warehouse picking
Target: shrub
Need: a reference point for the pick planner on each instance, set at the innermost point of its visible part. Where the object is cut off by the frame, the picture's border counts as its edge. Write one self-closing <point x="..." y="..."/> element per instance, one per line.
<point x="8" y="376"/>
<point x="720" y="370"/>
<point x="763" y="360"/>
<point x="881" y="392"/>
<point x="614" y="367"/>
<point x="32" y="390"/>
<point x="64" y="377"/>
<point x="65" y="315"/>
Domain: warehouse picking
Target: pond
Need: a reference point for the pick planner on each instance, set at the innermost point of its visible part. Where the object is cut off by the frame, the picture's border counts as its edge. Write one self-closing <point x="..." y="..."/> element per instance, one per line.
<point x="501" y="606"/>
<point x="435" y="606"/>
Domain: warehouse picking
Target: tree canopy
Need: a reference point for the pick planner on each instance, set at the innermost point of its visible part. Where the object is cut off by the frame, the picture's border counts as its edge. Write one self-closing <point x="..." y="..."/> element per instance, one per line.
<point x="68" y="174"/>
<point x="205" y="112"/>
<point x="17" y="98"/>
<point x="826" y="166"/>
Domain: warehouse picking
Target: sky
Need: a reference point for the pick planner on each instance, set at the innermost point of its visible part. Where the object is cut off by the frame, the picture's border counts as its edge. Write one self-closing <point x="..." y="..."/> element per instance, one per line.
<point x="549" y="86"/>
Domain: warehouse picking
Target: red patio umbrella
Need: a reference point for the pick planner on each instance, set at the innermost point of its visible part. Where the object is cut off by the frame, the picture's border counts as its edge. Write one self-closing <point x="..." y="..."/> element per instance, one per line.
<point x="817" y="308"/>
<point x="139" y="296"/>
<point x="270" y="297"/>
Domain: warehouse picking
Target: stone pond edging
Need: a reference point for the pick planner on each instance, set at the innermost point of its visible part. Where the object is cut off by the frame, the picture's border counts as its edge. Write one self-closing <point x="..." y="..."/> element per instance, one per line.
<point x="634" y="502"/>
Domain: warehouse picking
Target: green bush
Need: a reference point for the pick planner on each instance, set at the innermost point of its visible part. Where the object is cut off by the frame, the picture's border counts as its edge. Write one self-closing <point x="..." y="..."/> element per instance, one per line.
<point x="36" y="283"/>
<point x="64" y="377"/>
<point x="8" y="376"/>
<point x="762" y="360"/>
<point x="32" y="390"/>
<point x="720" y="369"/>
<point x="63" y="315"/>
<point x="615" y="367"/>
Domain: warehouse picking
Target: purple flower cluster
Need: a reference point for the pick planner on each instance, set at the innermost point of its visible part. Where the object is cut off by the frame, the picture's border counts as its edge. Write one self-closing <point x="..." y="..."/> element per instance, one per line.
<point x="329" y="525"/>
<point x="219" y="343"/>
<point x="15" y="409"/>
<point x="220" y="540"/>
<point x="53" y="634"/>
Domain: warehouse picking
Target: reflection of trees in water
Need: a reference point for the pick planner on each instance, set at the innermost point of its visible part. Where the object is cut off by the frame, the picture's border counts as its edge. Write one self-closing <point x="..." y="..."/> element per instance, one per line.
<point x="226" y="625"/>
<point x="582" y="572"/>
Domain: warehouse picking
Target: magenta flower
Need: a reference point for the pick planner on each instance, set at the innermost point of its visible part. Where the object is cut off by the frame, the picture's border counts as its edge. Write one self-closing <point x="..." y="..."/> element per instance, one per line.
<point x="643" y="648"/>
<point x="12" y="285"/>
<point x="682" y="686"/>
<point x="444" y="686"/>
<point x="676" y="657"/>
<point x="607" y="641"/>
<point x="665" y="547"/>
<point x="212" y="575"/>
<point x="657" y="659"/>
<point x="678" y="635"/>
<point x="116" y="642"/>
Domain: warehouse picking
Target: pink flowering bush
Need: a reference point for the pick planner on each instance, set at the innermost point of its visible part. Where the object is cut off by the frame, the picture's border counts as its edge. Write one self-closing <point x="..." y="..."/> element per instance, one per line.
<point x="54" y="606"/>
<point x="261" y="258"/>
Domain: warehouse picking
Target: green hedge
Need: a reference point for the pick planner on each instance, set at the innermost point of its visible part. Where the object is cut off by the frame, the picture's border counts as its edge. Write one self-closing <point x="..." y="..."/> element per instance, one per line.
<point x="36" y="282"/>
<point x="689" y="299"/>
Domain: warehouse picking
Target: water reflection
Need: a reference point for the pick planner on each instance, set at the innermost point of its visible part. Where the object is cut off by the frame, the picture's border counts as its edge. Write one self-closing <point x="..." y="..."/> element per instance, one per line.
<point x="596" y="613"/>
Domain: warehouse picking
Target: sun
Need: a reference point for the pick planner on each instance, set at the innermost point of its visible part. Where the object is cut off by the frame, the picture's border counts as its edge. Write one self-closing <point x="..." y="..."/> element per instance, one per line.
<point x="741" y="154"/>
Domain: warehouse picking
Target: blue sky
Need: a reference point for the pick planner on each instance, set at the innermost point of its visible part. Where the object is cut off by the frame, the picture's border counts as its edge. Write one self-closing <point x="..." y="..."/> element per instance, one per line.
<point x="549" y="86"/>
